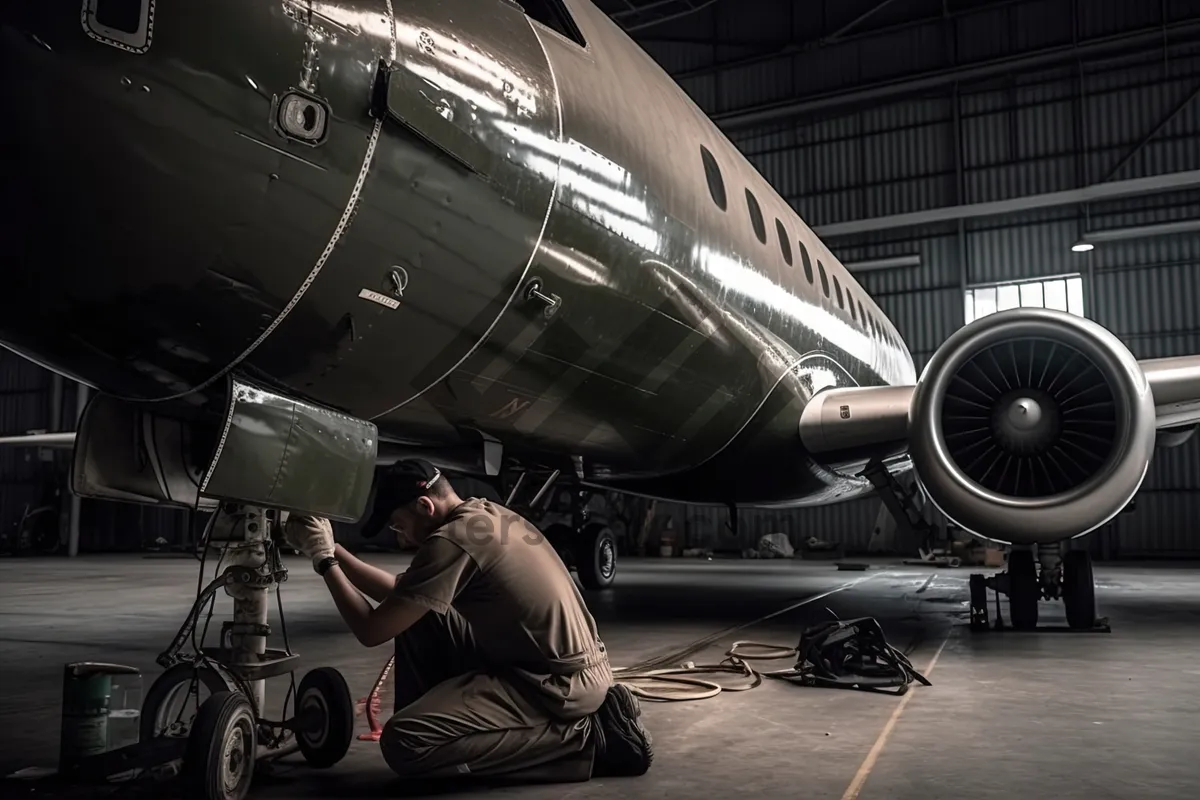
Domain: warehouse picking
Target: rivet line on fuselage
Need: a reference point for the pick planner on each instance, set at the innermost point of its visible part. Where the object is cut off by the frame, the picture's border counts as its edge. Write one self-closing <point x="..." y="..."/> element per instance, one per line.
<point x="338" y="231"/>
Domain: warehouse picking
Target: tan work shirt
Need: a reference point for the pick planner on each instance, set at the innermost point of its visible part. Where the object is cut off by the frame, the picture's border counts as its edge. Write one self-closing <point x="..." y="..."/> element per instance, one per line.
<point x="527" y="615"/>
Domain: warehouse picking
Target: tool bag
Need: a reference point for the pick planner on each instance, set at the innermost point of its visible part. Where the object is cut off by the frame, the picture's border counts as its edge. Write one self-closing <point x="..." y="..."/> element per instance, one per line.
<point x="851" y="654"/>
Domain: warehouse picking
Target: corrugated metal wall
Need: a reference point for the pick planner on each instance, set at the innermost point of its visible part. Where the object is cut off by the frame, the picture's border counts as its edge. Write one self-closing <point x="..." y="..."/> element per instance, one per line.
<point x="24" y="406"/>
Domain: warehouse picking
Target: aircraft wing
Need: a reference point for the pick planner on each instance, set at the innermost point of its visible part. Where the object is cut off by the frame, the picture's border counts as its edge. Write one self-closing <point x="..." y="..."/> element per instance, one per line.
<point x="61" y="441"/>
<point x="1175" y="384"/>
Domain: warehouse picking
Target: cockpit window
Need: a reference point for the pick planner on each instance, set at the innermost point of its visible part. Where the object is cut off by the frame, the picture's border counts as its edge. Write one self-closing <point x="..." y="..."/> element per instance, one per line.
<point x="554" y="15"/>
<point x="824" y="277"/>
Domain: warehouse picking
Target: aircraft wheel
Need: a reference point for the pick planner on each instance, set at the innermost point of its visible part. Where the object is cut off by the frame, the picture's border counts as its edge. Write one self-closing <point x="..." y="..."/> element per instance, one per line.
<point x="1079" y="590"/>
<point x="219" y="761"/>
<point x="596" y="556"/>
<point x="325" y="717"/>
<point x="165" y="709"/>
<point x="1023" y="590"/>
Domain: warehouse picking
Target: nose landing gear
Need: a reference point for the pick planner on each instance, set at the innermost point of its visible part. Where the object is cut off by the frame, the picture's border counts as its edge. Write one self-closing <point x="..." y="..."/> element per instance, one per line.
<point x="228" y="733"/>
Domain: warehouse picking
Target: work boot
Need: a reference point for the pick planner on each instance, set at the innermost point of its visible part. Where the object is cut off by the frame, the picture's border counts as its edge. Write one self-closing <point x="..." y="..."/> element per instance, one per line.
<point x="623" y="746"/>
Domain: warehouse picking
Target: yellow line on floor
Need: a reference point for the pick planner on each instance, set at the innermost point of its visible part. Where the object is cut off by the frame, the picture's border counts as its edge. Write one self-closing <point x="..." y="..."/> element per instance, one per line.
<point x="868" y="764"/>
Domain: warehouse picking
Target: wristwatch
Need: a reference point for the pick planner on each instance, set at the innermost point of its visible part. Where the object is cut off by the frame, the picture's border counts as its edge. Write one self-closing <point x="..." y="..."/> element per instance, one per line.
<point x="324" y="565"/>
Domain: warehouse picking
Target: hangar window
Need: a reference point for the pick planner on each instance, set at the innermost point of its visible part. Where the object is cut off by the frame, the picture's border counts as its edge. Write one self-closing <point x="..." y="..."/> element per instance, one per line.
<point x="756" y="217"/>
<point x="554" y="15"/>
<point x="716" y="184"/>
<point x="1063" y="293"/>
<point x="837" y="288"/>
<point x="785" y="246"/>
<point x="824" y="277"/>
<point x="805" y="260"/>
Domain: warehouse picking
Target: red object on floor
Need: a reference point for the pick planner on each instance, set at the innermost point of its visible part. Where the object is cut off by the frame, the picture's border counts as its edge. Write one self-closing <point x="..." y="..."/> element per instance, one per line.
<point x="371" y="705"/>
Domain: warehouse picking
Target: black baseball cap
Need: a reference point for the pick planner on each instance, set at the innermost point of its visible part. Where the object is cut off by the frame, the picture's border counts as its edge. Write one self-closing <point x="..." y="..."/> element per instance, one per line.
<point x="399" y="485"/>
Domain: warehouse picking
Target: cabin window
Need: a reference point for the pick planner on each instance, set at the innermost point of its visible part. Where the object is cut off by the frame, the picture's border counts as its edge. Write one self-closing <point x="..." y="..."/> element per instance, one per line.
<point x="554" y="15"/>
<point x="716" y="183"/>
<point x="824" y="277"/>
<point x="785" y="246"/>
<point x="837" y="288"/>
<point x="756" y="217"/>
<point x="805" y="261"/>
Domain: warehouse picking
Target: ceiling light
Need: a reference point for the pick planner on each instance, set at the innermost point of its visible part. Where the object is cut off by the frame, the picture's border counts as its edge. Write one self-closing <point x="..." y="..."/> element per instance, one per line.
<point x="1082" y="247"/>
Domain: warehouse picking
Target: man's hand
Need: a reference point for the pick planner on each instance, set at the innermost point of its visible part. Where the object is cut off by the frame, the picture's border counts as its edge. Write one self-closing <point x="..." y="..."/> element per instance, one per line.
<point x="312" y="536"/>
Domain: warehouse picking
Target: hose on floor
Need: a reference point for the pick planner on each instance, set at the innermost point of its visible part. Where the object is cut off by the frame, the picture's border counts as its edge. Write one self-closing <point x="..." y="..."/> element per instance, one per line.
<point x="851" y="654"/>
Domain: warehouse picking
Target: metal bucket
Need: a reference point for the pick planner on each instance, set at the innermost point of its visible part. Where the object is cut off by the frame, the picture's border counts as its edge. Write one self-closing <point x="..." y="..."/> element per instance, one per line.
<point x="86" y="703"/>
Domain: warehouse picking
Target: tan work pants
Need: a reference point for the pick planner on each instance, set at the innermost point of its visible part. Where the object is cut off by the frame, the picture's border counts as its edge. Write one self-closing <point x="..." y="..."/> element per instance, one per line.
<point x="455" y="717"/>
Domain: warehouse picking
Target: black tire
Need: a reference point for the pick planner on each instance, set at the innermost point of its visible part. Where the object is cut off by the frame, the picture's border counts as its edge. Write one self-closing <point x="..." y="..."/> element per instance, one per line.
<point x="218" y="763"/>
<point x="174" y="680"/>
<point x="324" y="716"/>
<point x="1024" y="592"/>
<point x="1079" y="590"/>
<point x="595" y="550"/>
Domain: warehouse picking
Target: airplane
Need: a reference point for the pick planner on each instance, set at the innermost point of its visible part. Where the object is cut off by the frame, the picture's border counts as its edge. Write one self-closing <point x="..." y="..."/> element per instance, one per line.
<point x="288" y="242"/>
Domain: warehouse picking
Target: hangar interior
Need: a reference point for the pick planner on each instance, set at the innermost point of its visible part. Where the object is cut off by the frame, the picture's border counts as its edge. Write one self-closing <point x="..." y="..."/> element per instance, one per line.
<point x="960" y="157"/>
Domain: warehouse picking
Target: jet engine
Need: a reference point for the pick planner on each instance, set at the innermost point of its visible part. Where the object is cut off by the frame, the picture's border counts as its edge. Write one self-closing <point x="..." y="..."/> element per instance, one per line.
<point x="1032" y="426"/>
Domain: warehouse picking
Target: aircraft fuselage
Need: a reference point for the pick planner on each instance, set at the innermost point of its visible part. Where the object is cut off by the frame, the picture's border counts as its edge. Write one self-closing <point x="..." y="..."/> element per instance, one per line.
<point x="450" y="220"/>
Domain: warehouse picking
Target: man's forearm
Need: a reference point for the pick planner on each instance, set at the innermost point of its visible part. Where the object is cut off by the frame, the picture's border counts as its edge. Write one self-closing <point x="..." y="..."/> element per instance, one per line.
<point x="374" y="582"/>
<point x="353" y="607"/>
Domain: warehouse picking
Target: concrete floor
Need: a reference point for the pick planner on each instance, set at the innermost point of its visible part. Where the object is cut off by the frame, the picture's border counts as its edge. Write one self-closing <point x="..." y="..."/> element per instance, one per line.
<point x="1008" y="715"/>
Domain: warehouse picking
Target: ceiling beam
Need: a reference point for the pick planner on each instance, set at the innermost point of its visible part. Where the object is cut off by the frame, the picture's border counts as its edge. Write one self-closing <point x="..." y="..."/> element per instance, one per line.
<point x="1170" y="182"/>
<point x="1110" y="45"/>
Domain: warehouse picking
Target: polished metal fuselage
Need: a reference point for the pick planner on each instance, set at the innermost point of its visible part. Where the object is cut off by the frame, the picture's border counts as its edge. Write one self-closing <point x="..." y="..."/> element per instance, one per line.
<point x="503" y="234"/>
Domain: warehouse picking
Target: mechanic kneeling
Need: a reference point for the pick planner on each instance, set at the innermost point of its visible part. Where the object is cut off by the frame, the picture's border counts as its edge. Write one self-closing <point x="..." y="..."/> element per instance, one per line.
<point x="507" y="676"/>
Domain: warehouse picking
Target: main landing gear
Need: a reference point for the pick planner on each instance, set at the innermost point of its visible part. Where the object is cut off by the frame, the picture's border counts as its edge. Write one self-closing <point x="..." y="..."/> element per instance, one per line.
<point x="586" y="545"/>
<point x="1053" y="575"/>
<point x="222" y="737"/>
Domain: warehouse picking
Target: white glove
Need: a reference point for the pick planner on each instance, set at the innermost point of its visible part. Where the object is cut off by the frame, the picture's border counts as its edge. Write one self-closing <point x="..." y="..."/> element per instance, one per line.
<point x="312" y="536"/>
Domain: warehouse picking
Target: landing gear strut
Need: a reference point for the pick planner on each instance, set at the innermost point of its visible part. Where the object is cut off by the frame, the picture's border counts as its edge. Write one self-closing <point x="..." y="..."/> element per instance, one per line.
<point x="586" y="545"/>
<point x="1027" y="581"/>
<point x="222" y="736"/>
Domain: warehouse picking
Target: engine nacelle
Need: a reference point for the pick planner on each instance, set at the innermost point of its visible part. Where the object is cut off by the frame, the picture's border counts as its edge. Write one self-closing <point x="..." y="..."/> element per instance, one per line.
<point x="1032" y="426"/>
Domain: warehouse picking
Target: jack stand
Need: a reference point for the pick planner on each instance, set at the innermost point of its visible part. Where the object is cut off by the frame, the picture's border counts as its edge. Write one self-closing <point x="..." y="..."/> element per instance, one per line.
<point x="229" y="733"/>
